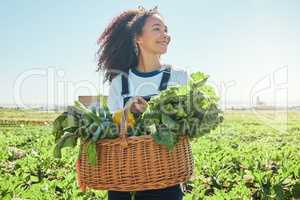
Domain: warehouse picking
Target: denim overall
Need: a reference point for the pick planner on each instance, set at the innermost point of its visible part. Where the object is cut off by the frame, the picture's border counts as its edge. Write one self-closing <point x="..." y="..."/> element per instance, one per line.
<point x="169" y="193"/>
<point x="163" y="85"/>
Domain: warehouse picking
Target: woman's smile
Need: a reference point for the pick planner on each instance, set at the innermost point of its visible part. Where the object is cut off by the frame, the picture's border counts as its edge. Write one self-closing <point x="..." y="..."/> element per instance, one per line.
<point x="163" y="44"/>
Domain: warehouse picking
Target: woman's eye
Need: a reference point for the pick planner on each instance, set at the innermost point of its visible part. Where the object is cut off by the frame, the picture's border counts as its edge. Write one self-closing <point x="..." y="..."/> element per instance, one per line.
<point x="159" y="29"/>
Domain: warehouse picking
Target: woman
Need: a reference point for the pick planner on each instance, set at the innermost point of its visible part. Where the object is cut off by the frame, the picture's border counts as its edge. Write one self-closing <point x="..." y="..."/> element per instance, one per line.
<point x="129" y="54"/>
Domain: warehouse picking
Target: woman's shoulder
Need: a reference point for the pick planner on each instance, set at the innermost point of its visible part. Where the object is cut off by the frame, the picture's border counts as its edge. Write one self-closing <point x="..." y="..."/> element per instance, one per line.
<point x="179" y="74"/>
<point x="115" y="84"/>
<point x="116" y="80"/>
<point x="175" y="69"/>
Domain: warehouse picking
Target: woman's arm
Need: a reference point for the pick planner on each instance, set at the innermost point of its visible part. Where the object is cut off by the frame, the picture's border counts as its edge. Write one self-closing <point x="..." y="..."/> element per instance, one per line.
<point x="114" y="99"/>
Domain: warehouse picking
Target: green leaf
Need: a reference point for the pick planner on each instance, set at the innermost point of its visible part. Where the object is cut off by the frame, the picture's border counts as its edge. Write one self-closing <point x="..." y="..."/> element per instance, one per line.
<point x="68" y="140"/>
<point x="70" y="129"/>
<point x="97" y="133"/>
<point x="168" y="121"/>
<point x="183" y="91"/>
<point x="58" y="125"/>
<point x="92" y="153"/>
<point x="180" y="112"/>
<point x="72" y="120"/>
<point x="94" y="110"/>
<point x="165" y="137"/>
<point x="198" y="77"/>
<point x="111" y="130"/>
<point x="92" y="127"/>
<point x="151" y="129"/>
<point x="87" y="113"/>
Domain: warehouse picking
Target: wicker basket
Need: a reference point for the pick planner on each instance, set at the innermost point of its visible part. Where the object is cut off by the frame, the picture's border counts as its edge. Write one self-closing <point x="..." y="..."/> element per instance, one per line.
<point x="135" y="164"/>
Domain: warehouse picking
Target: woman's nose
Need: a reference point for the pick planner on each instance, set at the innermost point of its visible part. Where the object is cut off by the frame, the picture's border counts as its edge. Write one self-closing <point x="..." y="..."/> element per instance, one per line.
<point x="166" y="35"/>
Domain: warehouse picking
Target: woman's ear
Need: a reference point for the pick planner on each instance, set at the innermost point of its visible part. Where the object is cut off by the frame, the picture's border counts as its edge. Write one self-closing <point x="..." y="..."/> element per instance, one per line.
<point x="138" y="40"/>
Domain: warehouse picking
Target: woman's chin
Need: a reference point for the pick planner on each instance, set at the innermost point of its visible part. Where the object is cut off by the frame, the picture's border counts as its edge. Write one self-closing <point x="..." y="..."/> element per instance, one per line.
<point x="163" y="50"/>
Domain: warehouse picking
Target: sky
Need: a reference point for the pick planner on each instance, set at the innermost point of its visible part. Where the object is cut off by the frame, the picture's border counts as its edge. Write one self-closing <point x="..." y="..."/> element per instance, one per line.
<point x="250" y="49"/>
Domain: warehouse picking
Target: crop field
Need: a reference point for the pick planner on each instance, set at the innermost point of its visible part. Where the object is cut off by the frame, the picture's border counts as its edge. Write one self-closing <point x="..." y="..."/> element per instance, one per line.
<point x="249" y="156"/>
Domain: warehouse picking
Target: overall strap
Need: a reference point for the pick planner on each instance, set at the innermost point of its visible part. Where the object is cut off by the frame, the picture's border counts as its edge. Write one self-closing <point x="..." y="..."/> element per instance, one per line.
<point x="163" y="84"/>
<point x="165" y="79"/>
<point x="125" y="89"/>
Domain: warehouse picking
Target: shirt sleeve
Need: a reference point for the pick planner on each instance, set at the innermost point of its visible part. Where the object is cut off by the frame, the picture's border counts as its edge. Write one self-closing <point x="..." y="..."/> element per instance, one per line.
<point x="183" y="78"/>
<point x="114" y="99"/>
<point x="180" y="77"/>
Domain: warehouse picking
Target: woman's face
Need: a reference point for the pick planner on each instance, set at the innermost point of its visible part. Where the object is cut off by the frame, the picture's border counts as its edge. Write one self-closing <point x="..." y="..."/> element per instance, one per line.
<point x="154" y="38"/>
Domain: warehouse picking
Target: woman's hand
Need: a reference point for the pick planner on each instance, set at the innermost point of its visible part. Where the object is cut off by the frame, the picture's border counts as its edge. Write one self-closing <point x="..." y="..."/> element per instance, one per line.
<point x="136" y="105"/>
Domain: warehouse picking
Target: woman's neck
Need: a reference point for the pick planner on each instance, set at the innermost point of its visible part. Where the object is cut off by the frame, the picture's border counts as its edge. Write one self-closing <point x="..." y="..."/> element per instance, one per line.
<point x="149" y="63"/>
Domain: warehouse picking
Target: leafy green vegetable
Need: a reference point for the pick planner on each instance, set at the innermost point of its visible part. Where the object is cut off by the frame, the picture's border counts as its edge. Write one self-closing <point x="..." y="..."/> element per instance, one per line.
<point x="92" y="153"/>
<point x="88" y="125"/>
<point x="68" y="140"/>
<point x="190" y="109"/>
<point x="184" y="109"/>
<point x="166" y="137"/>
<point x="58" y="126"/>
<point x="168" y="121"/>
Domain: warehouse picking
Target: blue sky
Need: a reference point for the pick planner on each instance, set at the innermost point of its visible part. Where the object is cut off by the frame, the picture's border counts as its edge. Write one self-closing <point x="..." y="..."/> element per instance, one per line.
<point x="248" y="48"/>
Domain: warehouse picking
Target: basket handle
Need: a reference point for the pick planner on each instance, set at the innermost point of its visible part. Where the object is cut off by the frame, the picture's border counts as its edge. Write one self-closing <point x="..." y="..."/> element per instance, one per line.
<point x="123" y="128"/>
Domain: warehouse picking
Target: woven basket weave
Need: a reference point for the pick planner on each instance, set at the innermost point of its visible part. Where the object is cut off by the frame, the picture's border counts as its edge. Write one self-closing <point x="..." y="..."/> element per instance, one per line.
<point x="135" y="164"/>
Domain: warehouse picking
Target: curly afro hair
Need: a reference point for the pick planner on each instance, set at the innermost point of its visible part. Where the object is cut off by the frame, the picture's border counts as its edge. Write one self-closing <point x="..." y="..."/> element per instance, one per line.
<point x="116" y="53"/>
